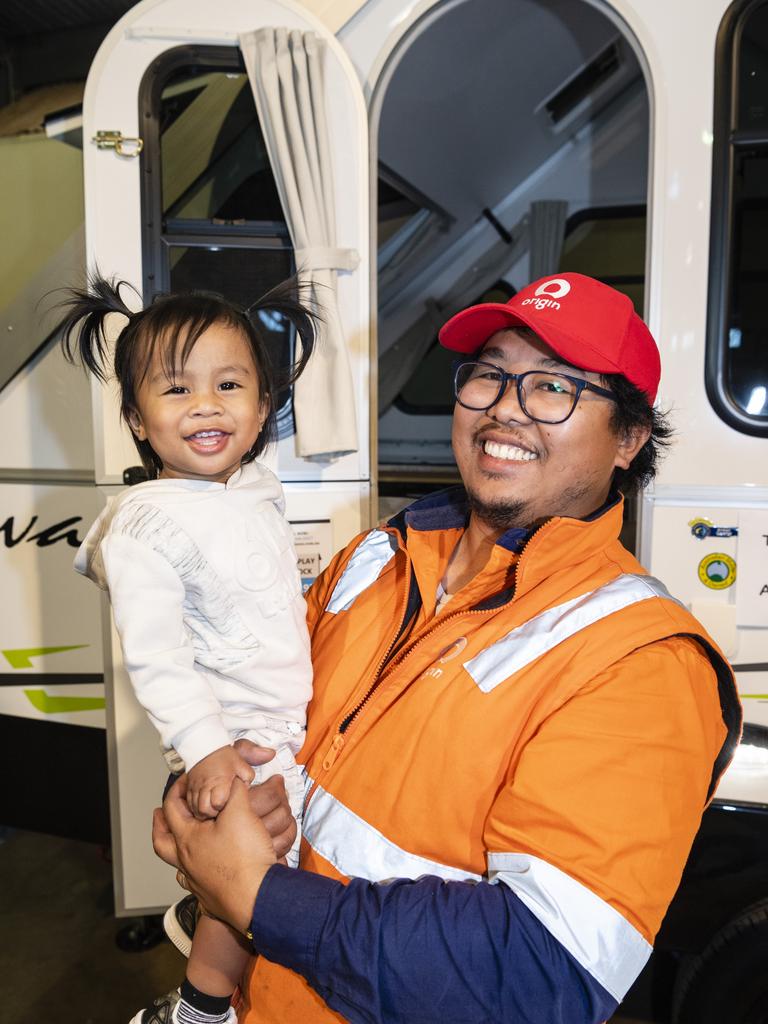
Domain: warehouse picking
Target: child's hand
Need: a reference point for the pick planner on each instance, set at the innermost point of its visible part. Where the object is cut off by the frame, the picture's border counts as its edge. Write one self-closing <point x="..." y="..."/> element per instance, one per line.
<point x="210" y="781"/>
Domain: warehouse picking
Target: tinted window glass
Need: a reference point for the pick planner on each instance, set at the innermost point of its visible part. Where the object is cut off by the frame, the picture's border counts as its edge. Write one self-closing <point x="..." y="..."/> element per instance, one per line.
<point x="609" y="243"/>
<point x="213" y="214"/>
<point x="752" y="73"/>
<point x="737" y="342"/>
<point x="213" y="158"/>
<point x="241" y="274"/>
<point x="746" y="365"/>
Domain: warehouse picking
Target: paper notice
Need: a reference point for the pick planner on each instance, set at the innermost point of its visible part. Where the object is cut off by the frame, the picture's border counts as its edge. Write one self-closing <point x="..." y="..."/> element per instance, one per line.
<point x="752" y="580"/>
<point x="313" y="541"/>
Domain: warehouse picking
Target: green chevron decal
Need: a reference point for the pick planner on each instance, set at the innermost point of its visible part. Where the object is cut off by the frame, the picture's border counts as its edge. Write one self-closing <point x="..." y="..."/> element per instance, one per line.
<point x="56" y="705"/>
<point x="21" y="657"/>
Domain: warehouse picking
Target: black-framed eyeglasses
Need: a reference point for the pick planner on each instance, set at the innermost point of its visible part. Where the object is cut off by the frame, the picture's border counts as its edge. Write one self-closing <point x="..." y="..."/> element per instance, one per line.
<point x="543" y="396"/>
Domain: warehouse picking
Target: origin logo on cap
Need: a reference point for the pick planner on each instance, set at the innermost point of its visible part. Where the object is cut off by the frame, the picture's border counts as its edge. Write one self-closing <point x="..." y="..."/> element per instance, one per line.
<point x="587" y="323"/>
<point x="548" y="293"/>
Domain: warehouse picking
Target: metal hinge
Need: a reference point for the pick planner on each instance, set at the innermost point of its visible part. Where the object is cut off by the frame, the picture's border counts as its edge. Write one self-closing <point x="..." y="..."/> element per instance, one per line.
<point x="122" y="145"/>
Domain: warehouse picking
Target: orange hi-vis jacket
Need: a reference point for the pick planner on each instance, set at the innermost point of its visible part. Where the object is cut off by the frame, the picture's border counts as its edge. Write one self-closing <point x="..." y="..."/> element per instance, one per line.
<point x="558" y="728"/>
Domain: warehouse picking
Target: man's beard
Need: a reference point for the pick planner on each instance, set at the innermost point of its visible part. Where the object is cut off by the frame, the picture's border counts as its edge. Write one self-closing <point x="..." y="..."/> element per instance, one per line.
<point x="500" y="515"/>
<point x="507" y="515"/>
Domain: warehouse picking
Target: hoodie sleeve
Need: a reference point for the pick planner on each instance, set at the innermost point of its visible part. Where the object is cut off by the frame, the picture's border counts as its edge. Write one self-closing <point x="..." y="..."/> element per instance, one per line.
<point x="147" y="602"/>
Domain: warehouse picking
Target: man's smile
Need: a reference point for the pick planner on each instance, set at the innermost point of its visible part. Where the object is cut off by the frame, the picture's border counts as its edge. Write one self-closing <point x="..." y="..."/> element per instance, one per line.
<point x="500" y="444"/>
<point x="509" y="452"/>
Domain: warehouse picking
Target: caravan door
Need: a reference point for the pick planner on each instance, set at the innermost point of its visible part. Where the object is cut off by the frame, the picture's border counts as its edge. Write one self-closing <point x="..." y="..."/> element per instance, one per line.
<point x="180" y="193"/>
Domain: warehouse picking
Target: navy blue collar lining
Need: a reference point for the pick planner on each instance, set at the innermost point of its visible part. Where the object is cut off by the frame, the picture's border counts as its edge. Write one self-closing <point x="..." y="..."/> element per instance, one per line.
<point x="449" y="510"/>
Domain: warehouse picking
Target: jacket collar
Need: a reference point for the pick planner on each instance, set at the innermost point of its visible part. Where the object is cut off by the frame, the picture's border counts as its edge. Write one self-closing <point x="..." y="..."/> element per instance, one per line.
<point x="563" y="542"/>
<point x="448" y="510"/>
<point x="560" y="542"/>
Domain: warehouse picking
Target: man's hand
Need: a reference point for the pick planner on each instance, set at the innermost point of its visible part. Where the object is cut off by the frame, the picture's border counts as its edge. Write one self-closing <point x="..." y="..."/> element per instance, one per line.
<point x="209" y="782"/>
<point x="223" y="860"/>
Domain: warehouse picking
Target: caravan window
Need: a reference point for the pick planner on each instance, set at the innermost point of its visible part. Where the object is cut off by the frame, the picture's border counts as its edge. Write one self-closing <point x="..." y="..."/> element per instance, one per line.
<point x="212" y="214"/>
<point x="737" y="330"/>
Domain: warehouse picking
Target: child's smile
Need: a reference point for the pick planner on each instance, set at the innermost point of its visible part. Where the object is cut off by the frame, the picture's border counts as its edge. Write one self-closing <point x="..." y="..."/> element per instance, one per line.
<point x="208" y="441"/>
<point x="203" y="420"/>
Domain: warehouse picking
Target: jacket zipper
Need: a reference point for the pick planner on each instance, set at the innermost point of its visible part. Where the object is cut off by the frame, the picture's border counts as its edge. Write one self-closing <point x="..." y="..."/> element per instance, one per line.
<point x="338" y="740"/>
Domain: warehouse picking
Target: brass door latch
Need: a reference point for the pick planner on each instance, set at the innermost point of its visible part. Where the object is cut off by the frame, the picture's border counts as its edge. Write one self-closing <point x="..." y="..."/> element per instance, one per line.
<point x="122" y="145"/>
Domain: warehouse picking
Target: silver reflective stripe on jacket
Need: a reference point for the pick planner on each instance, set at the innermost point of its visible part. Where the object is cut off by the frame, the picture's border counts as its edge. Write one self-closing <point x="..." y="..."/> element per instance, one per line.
<point x="593" y="932"/>
<point x="358" y="850"/>
<point x="362" y="570"/>
<point x="540" y="634"/>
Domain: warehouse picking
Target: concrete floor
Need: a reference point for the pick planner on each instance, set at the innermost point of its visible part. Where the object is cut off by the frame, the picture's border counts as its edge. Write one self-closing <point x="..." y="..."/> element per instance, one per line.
<point x="58" y="960"/>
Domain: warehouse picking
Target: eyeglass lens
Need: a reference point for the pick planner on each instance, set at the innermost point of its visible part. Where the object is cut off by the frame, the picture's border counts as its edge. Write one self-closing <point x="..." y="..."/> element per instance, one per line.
<point x="547" y="397"/>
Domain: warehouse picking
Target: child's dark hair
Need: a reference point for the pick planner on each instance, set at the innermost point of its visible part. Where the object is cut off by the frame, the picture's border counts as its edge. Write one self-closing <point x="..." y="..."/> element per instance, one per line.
<point x="175" y="324"/>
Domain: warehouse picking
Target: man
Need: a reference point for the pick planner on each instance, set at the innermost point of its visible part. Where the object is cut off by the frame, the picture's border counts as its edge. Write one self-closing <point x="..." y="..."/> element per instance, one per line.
<point x="514" y="731"/>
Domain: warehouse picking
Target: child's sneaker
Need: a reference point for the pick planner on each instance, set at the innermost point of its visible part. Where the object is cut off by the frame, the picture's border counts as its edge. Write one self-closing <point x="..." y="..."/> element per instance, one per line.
<point x="162" y="1011"/>
<point x="165" y="1010"/>
<point x="180" y="921"/>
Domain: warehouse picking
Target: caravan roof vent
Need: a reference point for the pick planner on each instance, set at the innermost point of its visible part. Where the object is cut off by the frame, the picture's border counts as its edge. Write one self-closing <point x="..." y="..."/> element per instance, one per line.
<point x="581" y="86"/>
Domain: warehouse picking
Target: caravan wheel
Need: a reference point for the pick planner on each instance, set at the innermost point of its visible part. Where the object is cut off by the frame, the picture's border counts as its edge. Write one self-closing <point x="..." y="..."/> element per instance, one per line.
<point x="728" y="981"/>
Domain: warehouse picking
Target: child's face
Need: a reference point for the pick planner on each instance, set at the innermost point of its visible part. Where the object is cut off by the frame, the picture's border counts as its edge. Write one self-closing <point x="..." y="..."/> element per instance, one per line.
<point x="203" y="421"/>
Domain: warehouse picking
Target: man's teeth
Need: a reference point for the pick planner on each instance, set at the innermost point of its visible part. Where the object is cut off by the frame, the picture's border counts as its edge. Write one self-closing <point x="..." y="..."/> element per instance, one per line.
<point x="508" y="451"/>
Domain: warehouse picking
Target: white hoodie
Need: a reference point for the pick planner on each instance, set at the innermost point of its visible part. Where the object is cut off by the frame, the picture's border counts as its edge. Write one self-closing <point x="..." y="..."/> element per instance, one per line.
<point x="207" y="600"/>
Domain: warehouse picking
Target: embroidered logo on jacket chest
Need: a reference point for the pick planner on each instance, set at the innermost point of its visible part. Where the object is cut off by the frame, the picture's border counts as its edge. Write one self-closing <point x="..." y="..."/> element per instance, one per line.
<point x="453" y="650"/>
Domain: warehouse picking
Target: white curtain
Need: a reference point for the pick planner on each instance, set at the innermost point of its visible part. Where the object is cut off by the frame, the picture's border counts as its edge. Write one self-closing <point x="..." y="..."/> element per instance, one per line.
<point x="286" y="75"/>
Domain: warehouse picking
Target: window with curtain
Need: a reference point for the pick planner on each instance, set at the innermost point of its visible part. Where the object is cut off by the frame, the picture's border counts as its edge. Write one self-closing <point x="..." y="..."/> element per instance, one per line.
<point x="212" y="216"/>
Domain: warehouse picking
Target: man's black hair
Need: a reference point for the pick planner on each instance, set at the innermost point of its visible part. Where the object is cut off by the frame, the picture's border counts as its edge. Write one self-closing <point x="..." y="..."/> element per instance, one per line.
<point x="631" y="410"/>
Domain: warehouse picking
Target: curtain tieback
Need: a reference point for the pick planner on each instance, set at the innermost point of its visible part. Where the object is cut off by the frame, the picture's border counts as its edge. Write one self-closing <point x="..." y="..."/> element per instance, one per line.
<point x="326" y="257"/>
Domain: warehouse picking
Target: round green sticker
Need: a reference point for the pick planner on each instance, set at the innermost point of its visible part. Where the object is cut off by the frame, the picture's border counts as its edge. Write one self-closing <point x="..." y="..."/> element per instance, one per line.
<point x="717" y="571"/>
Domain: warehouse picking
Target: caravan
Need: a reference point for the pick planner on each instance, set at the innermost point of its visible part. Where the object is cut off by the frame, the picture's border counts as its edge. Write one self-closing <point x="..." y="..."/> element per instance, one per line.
<point x="457" y="150"/>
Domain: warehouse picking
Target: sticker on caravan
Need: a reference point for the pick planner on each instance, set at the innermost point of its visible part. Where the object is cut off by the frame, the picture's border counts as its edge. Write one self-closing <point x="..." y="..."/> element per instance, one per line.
<point x="702" y="528"/>
<point x="717" y="571"/>
<point x="313" y="540"/>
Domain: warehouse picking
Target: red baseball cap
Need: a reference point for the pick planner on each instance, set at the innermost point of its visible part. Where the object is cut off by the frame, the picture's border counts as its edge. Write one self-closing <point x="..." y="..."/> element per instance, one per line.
<point x="588" y="323"/>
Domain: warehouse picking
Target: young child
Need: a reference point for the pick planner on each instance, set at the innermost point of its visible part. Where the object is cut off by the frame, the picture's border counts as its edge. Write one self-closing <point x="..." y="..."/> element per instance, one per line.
<point x="200" y="566"/>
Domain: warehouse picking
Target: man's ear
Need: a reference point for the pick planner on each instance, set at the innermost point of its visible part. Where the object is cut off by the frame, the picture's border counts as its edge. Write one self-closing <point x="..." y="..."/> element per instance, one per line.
<point x="630" y="444"/>
<point x="135" y="423"/>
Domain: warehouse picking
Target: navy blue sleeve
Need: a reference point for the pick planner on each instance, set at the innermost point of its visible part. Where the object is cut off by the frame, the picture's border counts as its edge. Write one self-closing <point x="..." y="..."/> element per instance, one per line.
<point x="424" y="951"/>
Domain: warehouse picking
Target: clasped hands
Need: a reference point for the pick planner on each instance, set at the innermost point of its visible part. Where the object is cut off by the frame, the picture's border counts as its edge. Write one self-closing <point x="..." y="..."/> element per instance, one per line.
<point x="224" y="859"/>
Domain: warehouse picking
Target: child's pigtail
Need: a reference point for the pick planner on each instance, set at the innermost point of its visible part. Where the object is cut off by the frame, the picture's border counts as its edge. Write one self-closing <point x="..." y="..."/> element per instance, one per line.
<point x="286" y="300"/>
<point x="84" y="339"/>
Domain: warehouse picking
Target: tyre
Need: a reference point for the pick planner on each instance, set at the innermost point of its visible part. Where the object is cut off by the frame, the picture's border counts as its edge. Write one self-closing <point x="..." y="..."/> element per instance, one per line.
<point x="728" y="982"/>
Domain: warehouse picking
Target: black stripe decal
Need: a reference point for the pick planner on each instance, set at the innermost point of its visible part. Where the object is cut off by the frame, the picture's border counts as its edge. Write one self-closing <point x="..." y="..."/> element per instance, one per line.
<point x="49" y="679"/>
